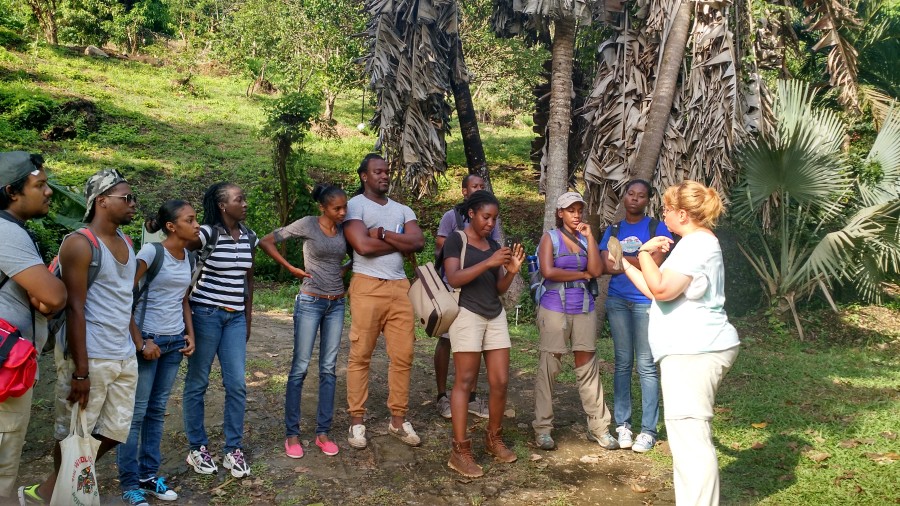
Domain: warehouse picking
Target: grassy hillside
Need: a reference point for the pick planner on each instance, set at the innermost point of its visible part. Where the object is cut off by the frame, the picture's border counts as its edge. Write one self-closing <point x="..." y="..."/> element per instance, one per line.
<point x="172" y="139"/>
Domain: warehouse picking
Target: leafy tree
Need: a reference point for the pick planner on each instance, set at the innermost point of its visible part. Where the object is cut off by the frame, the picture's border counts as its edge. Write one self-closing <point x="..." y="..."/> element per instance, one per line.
<point x="45" y="12"/>
<point x="820" y="220"/>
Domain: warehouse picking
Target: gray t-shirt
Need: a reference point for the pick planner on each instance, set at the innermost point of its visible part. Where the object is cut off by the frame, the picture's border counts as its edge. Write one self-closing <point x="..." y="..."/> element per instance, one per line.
<point x="390" y="216"/>
<point x="18" y="253"/>
<point x="322" y="255"/>
<point x="164" y="315"/>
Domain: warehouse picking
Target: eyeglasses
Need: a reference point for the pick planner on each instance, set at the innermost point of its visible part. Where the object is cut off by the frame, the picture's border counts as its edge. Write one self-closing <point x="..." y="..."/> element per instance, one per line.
<point x="129" y="198"/>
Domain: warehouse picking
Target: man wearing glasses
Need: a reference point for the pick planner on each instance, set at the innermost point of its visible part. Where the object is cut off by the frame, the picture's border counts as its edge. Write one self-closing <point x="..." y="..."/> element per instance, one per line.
<point x="96" y="359"/>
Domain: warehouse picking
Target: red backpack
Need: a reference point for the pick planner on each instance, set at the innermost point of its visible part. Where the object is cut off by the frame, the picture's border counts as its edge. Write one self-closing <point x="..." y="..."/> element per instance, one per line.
<point x="18" y="362"/>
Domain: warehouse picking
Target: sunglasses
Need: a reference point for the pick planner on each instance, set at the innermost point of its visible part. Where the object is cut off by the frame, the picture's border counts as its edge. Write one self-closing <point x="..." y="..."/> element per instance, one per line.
<point x="129" y="198"/>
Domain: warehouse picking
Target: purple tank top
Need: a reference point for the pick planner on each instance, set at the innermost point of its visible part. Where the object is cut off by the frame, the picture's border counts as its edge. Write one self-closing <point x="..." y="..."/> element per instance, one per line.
<point x="574" y="296"/>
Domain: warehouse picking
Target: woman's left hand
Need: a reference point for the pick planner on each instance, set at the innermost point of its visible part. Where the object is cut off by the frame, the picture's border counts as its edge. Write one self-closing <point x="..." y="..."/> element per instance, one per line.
<point x="659" y="243"/>
<point x="518" y="257"/>
<point x="188" y="348"/>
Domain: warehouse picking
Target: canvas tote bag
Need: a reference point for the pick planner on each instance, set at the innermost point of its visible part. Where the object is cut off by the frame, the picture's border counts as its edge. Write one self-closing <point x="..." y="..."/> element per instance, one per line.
<point x="435" y="304"/>
<point x="77" y="479"/>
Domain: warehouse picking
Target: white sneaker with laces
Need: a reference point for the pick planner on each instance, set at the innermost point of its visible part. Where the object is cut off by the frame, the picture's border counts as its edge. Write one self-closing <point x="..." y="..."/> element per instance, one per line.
<point x="201" y="461"/>
<point x="625" y="436"/>
<point x="405" y="433"/>
<point x="357" y="437"/>
<point x="644" y="443"/>
<point x="235" y="461"/>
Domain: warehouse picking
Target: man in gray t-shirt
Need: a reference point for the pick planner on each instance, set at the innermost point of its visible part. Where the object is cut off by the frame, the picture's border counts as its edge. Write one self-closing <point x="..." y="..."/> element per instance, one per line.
<point x="449" y="224"/>
<point x="381" y="232"/>
<point x="28" y="290"/>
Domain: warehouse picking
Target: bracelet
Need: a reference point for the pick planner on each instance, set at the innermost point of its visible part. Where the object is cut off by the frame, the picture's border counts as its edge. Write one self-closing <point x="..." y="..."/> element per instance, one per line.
<point x="643" y="251"/>
<point x="143" y="346"/>
<point x="80" y="378"/>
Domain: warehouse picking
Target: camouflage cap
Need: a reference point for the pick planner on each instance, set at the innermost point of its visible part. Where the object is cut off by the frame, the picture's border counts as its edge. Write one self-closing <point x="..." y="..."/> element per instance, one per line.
<point x="15" y="165"/>
<point x="97" y="184"/>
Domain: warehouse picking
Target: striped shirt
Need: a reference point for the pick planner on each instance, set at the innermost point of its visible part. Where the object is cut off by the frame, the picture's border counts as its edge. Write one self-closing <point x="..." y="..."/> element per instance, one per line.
<point x="224" y="276"/>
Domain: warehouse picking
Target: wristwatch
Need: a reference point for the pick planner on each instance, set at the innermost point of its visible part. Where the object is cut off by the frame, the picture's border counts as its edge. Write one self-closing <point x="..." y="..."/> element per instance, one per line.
<point x="381" y="233"/>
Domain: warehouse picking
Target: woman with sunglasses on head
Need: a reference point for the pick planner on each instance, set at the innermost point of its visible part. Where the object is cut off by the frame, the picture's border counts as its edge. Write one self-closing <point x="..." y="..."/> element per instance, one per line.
<point x="690" y="335"/>
<point x="163" y="315"/>
<point x="318" y="308"/>
<point x="482" y="270"/>
<point x="627" y="310"/>
<point x="221" y="305"/>
<point x="569" y="261"/>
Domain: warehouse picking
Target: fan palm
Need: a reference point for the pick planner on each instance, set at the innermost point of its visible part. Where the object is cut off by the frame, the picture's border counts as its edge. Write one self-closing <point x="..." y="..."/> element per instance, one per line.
<point x="818" y="225"/>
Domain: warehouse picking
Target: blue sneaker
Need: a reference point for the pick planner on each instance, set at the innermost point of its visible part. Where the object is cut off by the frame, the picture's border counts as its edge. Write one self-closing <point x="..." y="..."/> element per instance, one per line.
<point x="643" y="443"/>
<point x="157" y="487"/>
<point x="135" y="497"/>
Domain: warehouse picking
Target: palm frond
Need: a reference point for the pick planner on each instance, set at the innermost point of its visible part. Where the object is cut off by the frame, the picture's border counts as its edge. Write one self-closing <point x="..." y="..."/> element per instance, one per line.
<point x="832" y="17"/>
<point x="884" y="157"/>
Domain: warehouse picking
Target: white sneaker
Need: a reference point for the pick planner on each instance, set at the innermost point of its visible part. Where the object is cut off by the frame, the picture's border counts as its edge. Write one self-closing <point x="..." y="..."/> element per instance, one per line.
<point x="357" y="437"/>
<point x="236" y="462"/>
<point x="405" y="433"/>
<point x="202" y="461"/>
<point x="625" y="433"/>
<point x="644" y="443"/>
<point x="479" y="407"/>
<point x="443" y="406"/>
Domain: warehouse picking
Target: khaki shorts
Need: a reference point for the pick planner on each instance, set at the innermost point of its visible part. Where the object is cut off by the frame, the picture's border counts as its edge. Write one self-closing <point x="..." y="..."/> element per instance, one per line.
<point x="110" y="404"/>
<point x="558" y="329"/>
<point x="471" y="332"/>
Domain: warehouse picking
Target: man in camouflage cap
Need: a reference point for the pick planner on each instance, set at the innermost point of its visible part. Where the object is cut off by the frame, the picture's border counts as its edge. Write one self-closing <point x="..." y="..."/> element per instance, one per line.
<point x="27" y="290"/>
<point x="101" y="371"/>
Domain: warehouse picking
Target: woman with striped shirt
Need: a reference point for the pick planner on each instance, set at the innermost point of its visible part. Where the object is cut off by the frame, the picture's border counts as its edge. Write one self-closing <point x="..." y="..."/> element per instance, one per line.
<point x="221" y="304"/>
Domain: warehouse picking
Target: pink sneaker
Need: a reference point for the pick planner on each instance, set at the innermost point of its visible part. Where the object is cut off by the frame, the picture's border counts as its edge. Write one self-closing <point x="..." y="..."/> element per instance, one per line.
<point x="328" y="447"/>
<point x="294" y="451"/>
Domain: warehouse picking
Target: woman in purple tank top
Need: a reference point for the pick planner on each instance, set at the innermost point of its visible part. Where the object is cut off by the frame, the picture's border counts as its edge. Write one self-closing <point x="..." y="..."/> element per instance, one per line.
<point x="569" y="260"/>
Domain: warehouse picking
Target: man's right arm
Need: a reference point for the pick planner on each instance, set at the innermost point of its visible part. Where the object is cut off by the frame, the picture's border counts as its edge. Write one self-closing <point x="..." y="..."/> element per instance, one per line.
<point x="75" y="259"/>
<point x="361" y="240"/>
<point x="46" y="291"/>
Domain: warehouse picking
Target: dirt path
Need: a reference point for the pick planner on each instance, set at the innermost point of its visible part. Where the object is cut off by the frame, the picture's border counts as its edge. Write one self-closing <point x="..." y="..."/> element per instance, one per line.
<point x="387" y="472"/>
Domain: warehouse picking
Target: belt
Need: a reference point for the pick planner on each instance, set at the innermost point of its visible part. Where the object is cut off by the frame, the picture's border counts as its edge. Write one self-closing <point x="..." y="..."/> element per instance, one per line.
<point x="326" y="297"/>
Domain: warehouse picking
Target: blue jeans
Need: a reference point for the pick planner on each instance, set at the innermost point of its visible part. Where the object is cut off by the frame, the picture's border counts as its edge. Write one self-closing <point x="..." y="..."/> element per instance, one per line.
<point x="314" y="315"/>
<point x="138" y="457"/>
<point x="628" y="322"/>
<point x="224" y="334"/>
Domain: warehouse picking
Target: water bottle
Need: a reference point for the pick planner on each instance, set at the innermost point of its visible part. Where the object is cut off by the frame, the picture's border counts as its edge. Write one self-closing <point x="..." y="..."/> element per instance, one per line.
<point x="532" y="263"/>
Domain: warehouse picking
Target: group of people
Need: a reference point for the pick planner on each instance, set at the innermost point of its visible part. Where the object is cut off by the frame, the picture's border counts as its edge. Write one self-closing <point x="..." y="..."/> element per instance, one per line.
<point x="132" y="318"/>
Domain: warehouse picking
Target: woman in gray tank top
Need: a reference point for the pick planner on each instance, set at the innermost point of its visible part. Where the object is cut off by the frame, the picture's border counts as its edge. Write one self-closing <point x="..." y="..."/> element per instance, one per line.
<point x="164" y="317"/>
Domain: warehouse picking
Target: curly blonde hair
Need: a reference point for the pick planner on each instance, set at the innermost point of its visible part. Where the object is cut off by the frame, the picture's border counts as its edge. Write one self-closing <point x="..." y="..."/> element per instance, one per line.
<point x="702" y="204"/>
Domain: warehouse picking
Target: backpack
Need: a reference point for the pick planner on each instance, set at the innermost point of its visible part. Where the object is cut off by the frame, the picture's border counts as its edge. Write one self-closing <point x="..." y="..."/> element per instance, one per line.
<point x="140" y="290"/>
<point x="18" y="361"/>
<point x="539" y="285"/>
<point x="57" y="322"/>
<point x="614" y="228"/>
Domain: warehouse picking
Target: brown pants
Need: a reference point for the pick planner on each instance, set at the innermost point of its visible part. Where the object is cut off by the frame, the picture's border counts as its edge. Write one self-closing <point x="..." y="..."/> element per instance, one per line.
<point x="379" y="306"/>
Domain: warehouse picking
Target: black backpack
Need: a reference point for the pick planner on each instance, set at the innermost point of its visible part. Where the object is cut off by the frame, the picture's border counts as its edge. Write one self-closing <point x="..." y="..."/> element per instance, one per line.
<point x="614" y="228"/>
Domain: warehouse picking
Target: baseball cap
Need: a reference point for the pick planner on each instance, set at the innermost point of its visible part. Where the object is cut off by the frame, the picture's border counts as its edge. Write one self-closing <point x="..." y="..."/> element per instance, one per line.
<point x="15" y="165"/>
<point x="567" y="199"/>
<point x="97" y="184"/>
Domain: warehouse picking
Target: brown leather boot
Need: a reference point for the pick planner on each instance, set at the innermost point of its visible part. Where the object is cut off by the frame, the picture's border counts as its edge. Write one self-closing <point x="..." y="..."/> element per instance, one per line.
<point x="462" y="461"/>
<point x="493" y="444"/>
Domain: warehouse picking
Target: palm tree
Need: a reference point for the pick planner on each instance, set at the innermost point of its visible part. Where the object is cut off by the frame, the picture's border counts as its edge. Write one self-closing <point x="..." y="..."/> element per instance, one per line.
<point x="818" y="225"/>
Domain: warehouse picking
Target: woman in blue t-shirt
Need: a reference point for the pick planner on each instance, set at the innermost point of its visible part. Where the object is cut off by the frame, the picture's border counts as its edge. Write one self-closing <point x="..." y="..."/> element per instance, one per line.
<point x="164" y="317"/>
<point x="628" y="312"/>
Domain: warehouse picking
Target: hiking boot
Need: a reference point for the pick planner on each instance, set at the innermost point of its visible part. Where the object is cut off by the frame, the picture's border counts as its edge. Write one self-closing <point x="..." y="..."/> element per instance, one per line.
<point x="443" y="406"/>
<point x="462" y="461"/>
<point x="135" y="497"/>
<point x="157" y="487"/>
<point x="29" y="495"/>
<point x="405" y="433"/>
<point x="235" y="461"/>
<point x="479" y="407"/>
<point x="357" y="437"/>
<point x="201" y="461"/>
<point x="644" y="443"/>
<point x="493" y="445"/>
<point x="625" y="434"/>
<point x="604" y="439"/>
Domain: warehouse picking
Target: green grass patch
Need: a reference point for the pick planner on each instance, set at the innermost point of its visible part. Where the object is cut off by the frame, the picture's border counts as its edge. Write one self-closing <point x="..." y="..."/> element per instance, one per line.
<point x="278" y="297"/>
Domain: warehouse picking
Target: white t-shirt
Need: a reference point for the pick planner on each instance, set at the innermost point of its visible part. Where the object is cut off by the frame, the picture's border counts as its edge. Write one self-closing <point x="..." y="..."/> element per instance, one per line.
<point x="698" y="325"/>
<point x="390" y="216"/>
<point x="165" y="316"/>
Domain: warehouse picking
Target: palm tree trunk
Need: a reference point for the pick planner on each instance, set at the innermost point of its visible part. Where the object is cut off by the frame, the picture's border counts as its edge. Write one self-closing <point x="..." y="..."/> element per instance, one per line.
<point x="560" y="117"/>
<point x="476" y="160"/>
<point x="663" y="94"/>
